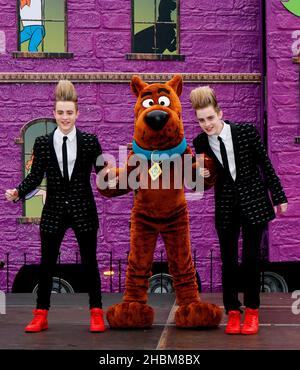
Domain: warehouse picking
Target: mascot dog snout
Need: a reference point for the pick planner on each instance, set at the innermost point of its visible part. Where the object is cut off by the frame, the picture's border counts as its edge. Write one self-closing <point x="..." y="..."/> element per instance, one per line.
<point x="156" y="119"/>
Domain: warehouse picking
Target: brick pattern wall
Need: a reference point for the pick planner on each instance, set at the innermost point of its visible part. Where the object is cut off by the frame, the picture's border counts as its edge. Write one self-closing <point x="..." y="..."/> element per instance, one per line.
<point x="283" y="126"/>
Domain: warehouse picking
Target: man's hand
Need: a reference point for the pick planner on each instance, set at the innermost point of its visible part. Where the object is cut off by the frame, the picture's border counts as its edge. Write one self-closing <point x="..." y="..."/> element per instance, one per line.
<point x="204" y="172"/>
<point x="11" y="194"/>
<point x="112" y="177"/>
<point x="282" y="208"/>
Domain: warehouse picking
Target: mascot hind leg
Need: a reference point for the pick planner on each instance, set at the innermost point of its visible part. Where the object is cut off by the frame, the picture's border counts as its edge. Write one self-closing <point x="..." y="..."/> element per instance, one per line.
<point x="134" y="311"/>
<point x="192" y="312"/>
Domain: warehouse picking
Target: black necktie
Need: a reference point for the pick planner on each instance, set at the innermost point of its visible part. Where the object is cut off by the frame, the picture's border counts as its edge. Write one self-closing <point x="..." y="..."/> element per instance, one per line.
<point x="224" y="156"/>
<point x="65" y="158"/>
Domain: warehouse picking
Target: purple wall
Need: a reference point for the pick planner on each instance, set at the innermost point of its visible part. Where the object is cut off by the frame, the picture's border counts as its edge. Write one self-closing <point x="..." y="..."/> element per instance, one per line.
<point x="216" y="36"/>
<point x="283" y="126"/>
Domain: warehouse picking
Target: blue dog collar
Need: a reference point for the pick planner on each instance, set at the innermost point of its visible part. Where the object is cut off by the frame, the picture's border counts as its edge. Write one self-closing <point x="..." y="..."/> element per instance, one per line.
<point x="160" y="154"/>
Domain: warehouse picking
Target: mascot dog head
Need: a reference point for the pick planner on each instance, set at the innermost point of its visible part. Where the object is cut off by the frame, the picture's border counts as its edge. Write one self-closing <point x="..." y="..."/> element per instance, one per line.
<point x="158" y="121"/>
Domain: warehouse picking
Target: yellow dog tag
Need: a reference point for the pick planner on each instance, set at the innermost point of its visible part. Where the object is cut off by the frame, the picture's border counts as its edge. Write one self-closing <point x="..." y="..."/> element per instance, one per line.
<point x="155" y="171"/>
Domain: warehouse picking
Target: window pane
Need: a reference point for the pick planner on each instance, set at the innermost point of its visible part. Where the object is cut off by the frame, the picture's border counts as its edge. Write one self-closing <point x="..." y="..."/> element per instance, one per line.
<point x="31" y="37"/>
<point x="32" y="132"/>
<point x="28" y="163"/>
<point x="55" y="37"/>
<point x="35" y="203"/>
<point x="144" y="10"/>
<point x="27" y="46"/>
<point x="55" y="9"/>
<point x="143" y="41"/>
<point x="50" y="126"/>
<point x="166" y="11"/>
<point x="166" y="38"/>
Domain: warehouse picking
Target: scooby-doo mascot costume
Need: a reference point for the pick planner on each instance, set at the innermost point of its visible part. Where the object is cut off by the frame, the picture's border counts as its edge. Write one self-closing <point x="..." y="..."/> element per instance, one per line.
<point x="158" y="127"/>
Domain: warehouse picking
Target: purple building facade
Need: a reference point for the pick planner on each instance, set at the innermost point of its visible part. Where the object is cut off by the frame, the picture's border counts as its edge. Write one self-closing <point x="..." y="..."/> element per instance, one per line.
<point x="283" y="124"/>
<point x="222" y="44"/>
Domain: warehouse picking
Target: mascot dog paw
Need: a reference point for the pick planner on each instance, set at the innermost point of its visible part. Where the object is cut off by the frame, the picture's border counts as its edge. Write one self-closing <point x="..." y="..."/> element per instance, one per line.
<point x="159" y="150"/>
<point x="130" y="315"/>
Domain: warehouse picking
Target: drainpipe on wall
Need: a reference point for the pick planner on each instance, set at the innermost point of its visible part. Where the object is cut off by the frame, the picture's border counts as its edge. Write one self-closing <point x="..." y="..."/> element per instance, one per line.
<point x="263" y="72"/>
<point x="263" y="114"/>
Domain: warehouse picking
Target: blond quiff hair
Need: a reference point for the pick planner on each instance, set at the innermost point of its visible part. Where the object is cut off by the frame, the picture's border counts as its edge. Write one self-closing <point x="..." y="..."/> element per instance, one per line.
<point x="202" y="97"/>
<point x="65" y="91"/>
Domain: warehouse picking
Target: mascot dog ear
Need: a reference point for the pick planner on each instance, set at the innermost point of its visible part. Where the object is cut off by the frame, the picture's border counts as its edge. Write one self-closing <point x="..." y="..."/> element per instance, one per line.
<point x="176" y="84"/>
<point x="137" y="85"/>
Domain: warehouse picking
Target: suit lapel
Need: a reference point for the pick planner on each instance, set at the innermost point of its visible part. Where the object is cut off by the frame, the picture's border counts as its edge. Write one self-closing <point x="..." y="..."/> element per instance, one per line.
<point x="236" y="148"/>
<point x="79" y="140"/>
<point x="53" y="154"/>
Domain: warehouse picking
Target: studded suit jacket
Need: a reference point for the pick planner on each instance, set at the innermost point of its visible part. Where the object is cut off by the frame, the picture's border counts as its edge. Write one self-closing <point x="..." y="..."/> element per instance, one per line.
<point x="76" y="195"/>
<point x="255" y="178"/>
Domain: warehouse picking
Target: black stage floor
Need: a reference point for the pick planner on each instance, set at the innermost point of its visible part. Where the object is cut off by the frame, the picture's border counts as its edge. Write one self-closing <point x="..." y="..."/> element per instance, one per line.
<point x="69" y="324"/>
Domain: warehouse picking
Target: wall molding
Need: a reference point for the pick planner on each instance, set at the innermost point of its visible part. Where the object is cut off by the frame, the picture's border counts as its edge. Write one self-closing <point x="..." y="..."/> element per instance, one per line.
<point x="42" y="55"/>
<point x="118" y="77"/>
<point x="28" y="220"/>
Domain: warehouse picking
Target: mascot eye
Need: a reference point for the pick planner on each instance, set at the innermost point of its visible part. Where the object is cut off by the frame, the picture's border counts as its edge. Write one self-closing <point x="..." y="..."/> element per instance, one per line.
<point x="165" y="101"/>
<point x="148" y="103"/>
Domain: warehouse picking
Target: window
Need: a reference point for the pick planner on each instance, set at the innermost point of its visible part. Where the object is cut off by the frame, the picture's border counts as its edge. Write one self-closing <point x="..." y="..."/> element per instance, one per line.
<point x="155" y="29"/>
<point x="42" y="26"/>
<point x="35" y="200"/>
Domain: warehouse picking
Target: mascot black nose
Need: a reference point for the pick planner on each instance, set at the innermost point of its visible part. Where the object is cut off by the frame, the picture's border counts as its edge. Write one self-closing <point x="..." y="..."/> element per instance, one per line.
<point x="157" y="119"/>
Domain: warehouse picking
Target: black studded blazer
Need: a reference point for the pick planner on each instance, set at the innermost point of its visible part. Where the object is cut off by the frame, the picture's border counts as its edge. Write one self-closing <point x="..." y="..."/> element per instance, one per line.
<point x="76" y="195"/>
<point x="255" y="178"/>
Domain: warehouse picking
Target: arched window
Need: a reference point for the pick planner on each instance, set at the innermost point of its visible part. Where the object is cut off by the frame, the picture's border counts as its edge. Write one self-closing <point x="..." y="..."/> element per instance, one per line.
<point x="35" y="200"/>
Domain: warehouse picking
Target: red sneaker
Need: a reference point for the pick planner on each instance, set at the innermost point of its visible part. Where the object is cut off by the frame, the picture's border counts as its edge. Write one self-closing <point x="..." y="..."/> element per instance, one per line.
<point x="234" y="322"/>
<point x="97" y="321"/>
<point x="39" y="321"/>
<point x="250" y="325"/>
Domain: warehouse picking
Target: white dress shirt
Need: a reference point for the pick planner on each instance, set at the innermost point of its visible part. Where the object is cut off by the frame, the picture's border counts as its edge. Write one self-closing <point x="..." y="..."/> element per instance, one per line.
<point x="71" y="149"/>
<point x="214" y="143"/>
<point x="32" y="13"/>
